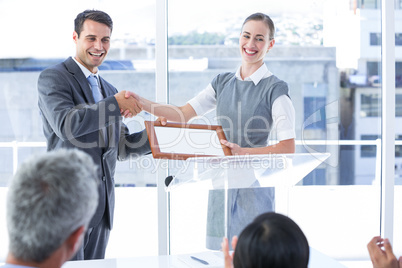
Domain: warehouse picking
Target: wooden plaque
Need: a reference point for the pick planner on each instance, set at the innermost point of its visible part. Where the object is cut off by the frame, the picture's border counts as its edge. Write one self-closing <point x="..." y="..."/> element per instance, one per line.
<point x="180" y="141"/>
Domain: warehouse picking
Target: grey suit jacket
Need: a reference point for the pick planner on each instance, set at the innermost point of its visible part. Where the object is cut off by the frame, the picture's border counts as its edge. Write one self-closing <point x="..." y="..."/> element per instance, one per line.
<point x="72" y="119"/>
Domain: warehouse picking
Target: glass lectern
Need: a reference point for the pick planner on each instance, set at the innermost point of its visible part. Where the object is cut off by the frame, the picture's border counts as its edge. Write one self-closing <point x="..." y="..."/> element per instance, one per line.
<point x="279" y="171"/>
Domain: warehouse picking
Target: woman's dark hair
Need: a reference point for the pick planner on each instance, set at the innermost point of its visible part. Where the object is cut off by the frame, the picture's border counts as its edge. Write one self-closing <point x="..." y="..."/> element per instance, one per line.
<point x="95" y="15"/>
<point x="272" y="240"/>
<point x="264" y="18"/>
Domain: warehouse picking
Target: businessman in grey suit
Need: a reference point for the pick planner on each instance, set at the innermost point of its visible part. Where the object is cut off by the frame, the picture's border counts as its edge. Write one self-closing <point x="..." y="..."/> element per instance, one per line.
<point x="78" y="112"/>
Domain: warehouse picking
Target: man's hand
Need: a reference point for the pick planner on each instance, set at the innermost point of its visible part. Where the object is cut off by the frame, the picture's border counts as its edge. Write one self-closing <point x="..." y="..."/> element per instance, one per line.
<point x="129" y="106"/>
<point x="382" y="258"/>
<point x="129" y="94"/>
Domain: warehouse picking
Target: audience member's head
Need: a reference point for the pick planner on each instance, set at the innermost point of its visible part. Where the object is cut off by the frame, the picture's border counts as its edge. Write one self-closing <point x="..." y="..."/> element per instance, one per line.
<point x="51" y="200"/>
<point x="271" y="240"/>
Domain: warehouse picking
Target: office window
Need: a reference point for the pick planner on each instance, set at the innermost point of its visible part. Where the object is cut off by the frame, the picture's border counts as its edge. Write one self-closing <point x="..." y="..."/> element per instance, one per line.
<point x="373" y="68"/>
<point x="398" y="74"/>
<point x="314" y="104"/>
<point x="398" y="39"/>
<point x="398" y="105"/>
<point x="398" y="148"/>
<point x="369" y="4"/>
<point x="375" y="39"/>
<point x="368" y="150"/>
<point x="370" y="104"/>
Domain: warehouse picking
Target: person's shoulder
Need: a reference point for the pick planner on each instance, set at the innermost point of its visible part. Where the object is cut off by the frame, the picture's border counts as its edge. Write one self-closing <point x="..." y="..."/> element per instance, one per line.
<point x="58" y="67"/>
<point x="274" y="87"/>
<point x="273" y="82"/>
<point x="63" y="68"/>
<point x="223" y="77"/>
<point x="227" y="75"/>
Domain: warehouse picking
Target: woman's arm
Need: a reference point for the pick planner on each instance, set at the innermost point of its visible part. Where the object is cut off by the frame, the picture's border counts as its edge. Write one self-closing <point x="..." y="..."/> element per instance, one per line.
<point x="282" y="147"/>
<point x="170" y="112"/>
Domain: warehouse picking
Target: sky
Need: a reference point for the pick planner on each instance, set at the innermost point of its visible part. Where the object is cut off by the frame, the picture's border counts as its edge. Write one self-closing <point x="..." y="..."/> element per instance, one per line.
<point x="43" y="28"/>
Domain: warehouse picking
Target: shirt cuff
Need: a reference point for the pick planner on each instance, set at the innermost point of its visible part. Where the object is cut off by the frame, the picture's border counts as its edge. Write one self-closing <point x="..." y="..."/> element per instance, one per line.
<point x="196" y="106"/>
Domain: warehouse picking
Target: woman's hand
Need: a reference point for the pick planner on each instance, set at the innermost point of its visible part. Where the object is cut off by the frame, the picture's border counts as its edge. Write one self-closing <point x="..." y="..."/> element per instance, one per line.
<point x="235" y="148"/>
<point x="162" y="120"/>
<point x="226" y="253"/>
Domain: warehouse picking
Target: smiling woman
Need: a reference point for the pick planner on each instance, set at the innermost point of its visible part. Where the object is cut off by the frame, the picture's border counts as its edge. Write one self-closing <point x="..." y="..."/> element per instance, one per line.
<point x="308" y="54"/>
<point x="248" y="104"/>
<point x="256" y="39"/>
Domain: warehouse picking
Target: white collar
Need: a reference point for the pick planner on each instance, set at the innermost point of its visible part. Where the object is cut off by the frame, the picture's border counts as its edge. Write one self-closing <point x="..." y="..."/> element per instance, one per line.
<point x="257" y="76"/>
<point x="85" y="70"/>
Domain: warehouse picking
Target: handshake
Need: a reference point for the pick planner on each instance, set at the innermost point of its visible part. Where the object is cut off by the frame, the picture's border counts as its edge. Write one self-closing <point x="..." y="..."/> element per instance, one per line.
<point x="130" y="104"/>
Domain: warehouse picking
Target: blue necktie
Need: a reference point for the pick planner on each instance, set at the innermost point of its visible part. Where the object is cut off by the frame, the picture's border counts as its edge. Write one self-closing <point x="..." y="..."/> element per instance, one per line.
<point x="93" y="81"/>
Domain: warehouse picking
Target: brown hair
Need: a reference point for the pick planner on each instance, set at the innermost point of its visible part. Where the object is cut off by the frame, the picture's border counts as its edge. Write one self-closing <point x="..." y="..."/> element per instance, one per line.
<point x="264" y="18"/>
<point x="95" y="15"/>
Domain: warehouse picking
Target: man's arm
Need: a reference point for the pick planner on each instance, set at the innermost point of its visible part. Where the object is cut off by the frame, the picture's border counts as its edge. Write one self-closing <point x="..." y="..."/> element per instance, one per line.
<point x="66" y="111"/>
<point x="134" y="145"/>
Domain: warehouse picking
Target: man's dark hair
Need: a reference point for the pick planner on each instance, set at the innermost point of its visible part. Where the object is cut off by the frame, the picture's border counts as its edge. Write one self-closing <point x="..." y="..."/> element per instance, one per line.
<point x="272" y="240"/>
<point x="95" y="15"/>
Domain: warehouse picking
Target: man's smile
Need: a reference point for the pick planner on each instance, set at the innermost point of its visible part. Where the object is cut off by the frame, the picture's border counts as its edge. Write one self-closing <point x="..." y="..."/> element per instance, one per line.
<point x="96" y="54"/>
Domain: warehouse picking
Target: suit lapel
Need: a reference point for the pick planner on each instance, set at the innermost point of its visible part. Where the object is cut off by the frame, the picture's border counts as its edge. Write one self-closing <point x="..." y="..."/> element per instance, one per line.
<point x="106" y="88"/>
<point x="86" y="91"/>
<point x="107" y="91"/>
<point x="79" y="76"/>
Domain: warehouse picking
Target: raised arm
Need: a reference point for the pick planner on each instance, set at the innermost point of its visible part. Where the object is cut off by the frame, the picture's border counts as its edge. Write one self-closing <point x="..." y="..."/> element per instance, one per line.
<point x="381" y="254"/>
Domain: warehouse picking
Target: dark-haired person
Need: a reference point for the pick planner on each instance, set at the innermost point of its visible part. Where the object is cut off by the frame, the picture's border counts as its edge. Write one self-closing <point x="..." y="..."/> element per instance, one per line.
<point x="82" y="110"/>
<point x="250" y="104"/>
<point x="50" y="202"/>
<point x="271" y="240"/>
